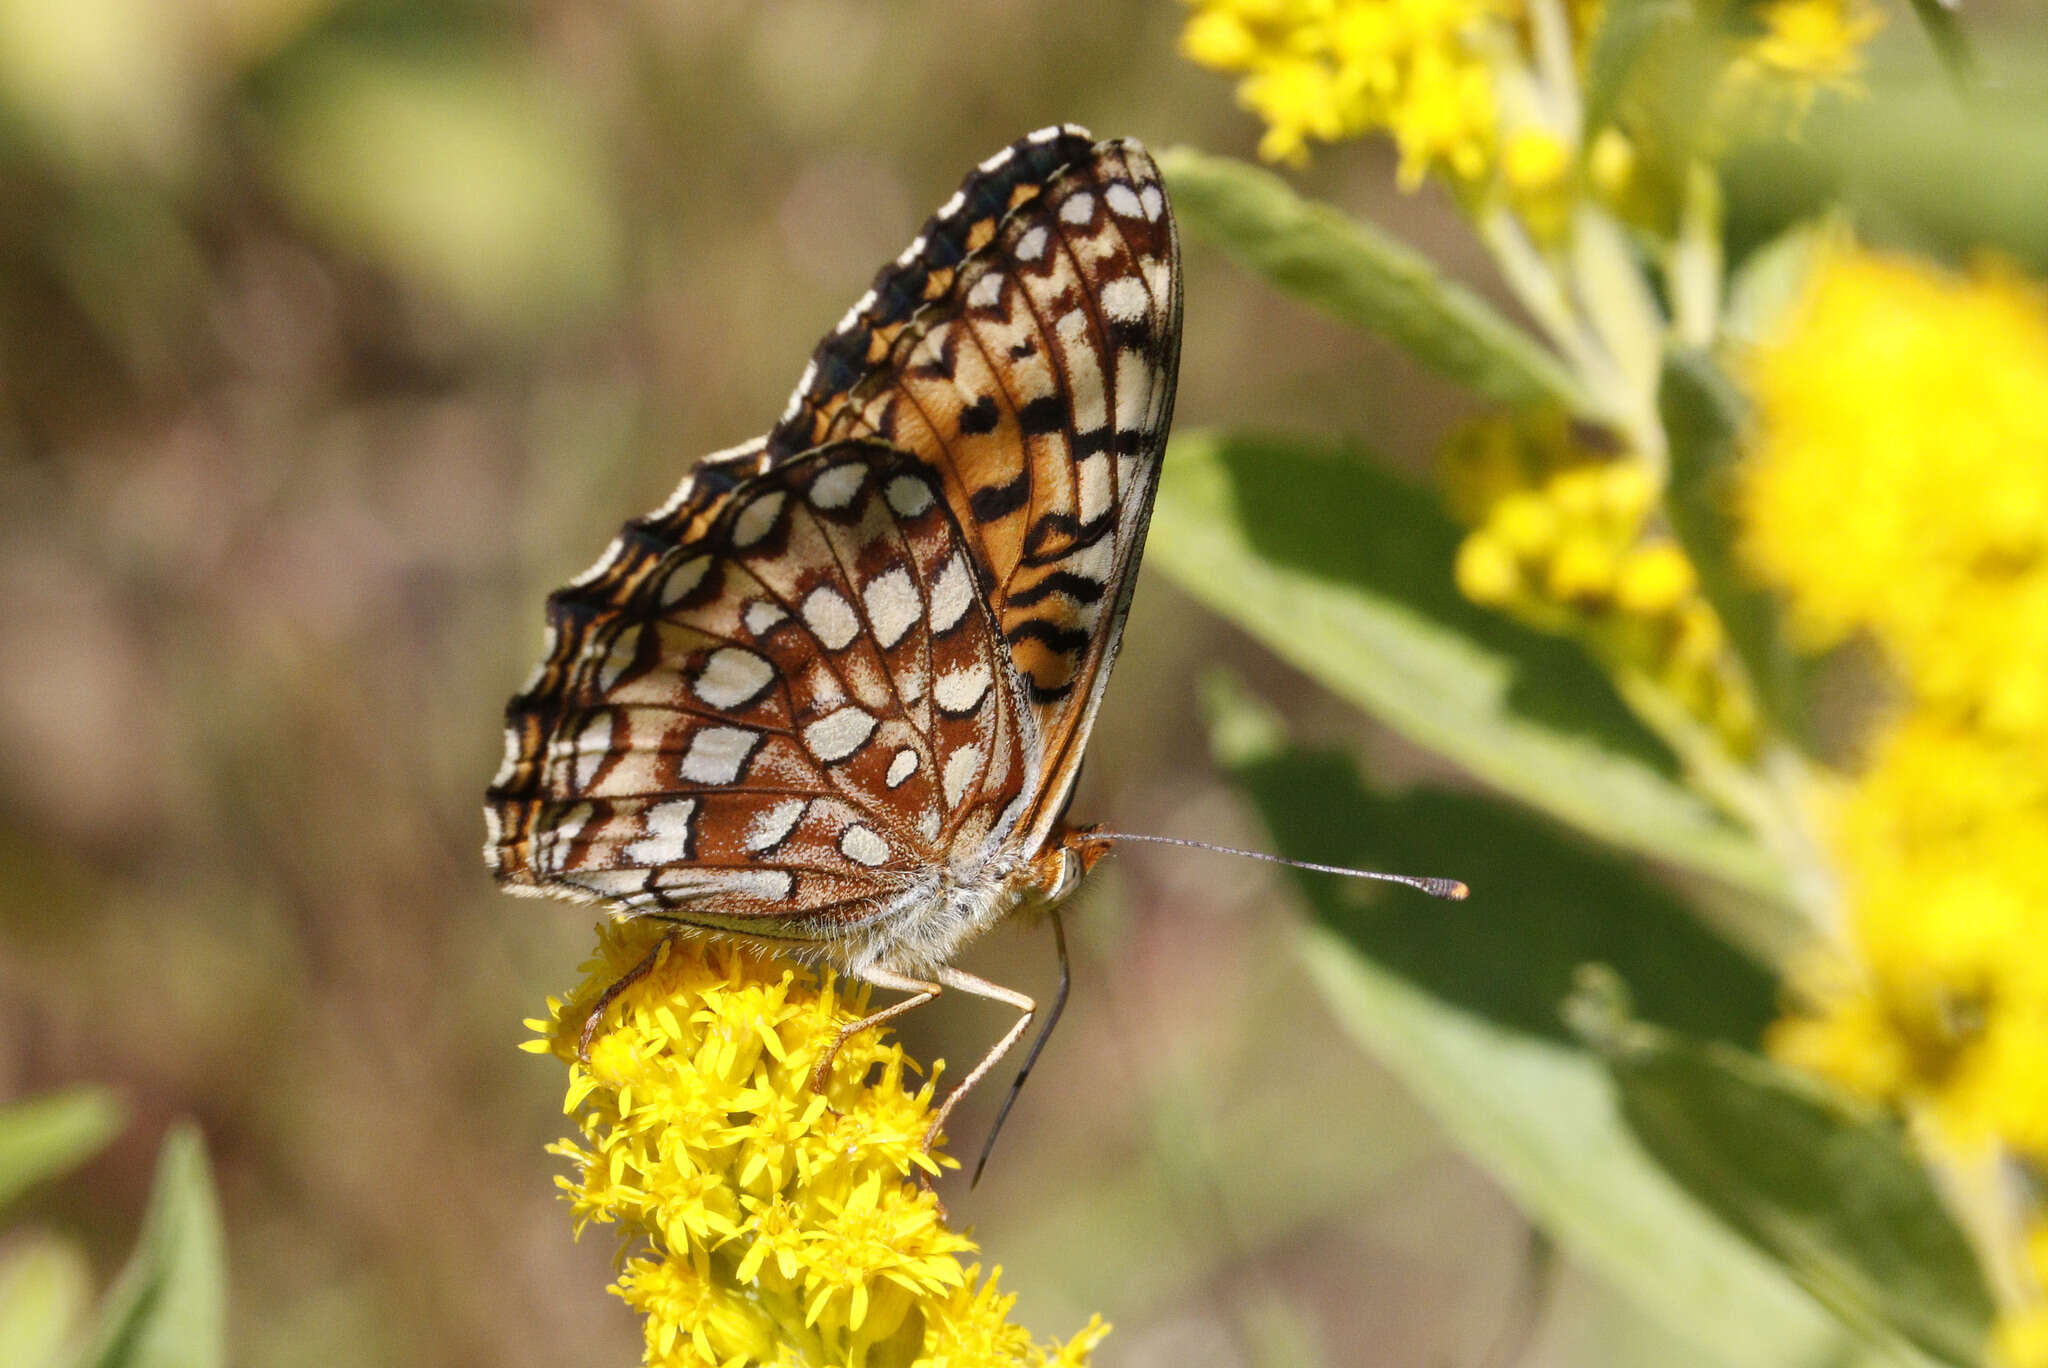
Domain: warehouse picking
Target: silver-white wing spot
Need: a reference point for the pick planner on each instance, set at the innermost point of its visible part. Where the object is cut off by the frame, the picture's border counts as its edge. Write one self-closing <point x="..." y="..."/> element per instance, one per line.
<point x="836" y="487"/>
<point x="1133" y="390"/>
<point x="624" y="650"/>
<point x="861" y="845"/>
<point x="908" y="495"/>
<point x="732" y="676"/>
<point x="839" y="734"/>
<point x="593" y="743"/>
<point x="668" y="834"/>
<point x="770" y="828"/>
<point x="1093" y="477"/>
<point x="757" y="519"/>
<point x="718" y="754"/>
<point x="902" y="767"/>
<point x="951" y="595"/>
<point x="683" y="579"/>
<point x="1078" y="209"/>
<point x="961" y="766"/>
<point x="892" y="605"/>
<point x="986" y="291"/>
<point x="961" y="690"/>
<point x="771" y="884"/>
<point x="831" y="618"/>
<point x="1125" y="299"/>
<point x="1123" y="201"/>
<point x="762" y="615"/>
<point x="1031" y="246"/>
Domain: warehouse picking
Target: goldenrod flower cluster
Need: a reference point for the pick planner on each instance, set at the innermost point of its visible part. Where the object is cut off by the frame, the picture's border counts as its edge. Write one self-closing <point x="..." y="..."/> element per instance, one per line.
<point x="1466" y="90"/>
<point x="1802" y="47"/>
<point x="1564" y="538"/>
<point x="1899" y="490"/>
<point x="1334" y="69"/>
<point x="761" y="1222"/>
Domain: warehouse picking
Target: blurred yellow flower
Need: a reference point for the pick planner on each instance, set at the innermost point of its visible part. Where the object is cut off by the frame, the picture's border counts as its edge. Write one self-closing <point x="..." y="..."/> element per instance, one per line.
<point x="1563" y="538"/>
<point x="1809" y="45"/>
<point x="1900" y="485"/>
<point x="761" y="1222"/>
<point x="1898" y="489"/>
<point x="1325" y="70"/>
<point x="1461" y="88"/>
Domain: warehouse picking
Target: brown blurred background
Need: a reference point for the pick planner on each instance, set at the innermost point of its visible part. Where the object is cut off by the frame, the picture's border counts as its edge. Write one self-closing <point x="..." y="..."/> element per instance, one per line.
<point x="332" y="336"/>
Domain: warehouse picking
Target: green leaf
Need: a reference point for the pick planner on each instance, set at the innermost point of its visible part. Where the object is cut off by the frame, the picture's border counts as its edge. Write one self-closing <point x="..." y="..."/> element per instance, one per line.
<point x="469" y="176"/>
<point x="1435" y="993"/>
<point x="1345" y="572"/>
<point x="1625" y="33"/>
<point x="168" y="1309"/>
<point x="1938" y="21"/>
<point x="46" y="1137"/>
<point x="1361" y="276"/>
<point x="1767" y="285"/>
<point x="45" y="1293"/>
<point x="1921" y="169"/>
<point x="1838" y="1199"/>
<point x="1702" y="415"/>
<point x="1541" y="905"/>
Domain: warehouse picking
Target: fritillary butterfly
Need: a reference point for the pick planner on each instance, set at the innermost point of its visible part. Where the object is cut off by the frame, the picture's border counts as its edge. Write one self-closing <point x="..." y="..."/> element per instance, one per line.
<point x="832" y="697"/>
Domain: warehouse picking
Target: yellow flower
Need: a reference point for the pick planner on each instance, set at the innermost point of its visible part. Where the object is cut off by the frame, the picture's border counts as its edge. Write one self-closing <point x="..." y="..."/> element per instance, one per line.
<point x="1458" y="87"/>
<point x="1325" y="70"/>
<point x="1900" y="479"/>
<point x="1564" y="538"/>
<point x="761" y="1222"/>
<point x="1898" y="489"/>
<point x="1810" y="44"/>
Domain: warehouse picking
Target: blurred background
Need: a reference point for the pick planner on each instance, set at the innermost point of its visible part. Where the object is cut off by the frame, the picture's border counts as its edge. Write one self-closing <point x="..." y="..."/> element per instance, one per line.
<point x="334" y="335"/>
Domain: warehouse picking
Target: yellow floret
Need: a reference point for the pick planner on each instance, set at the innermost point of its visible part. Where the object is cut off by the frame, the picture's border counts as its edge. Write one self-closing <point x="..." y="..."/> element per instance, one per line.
<point x="766" y="1223"/>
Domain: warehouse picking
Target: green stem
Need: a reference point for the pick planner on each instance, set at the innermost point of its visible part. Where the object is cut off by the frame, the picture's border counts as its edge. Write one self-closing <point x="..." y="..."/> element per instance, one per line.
<point x="1537" y="287"/>
<point x="1622" y="313"/>
<point x="1557" y="69"/>
<point x="1763" y="798"/>
<point x="1693" y="263"/>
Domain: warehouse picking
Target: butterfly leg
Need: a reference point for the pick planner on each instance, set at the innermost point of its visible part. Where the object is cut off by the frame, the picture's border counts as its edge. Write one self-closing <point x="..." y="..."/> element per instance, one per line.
<point x="921" y="992"/>
<point x="980" y="987"/>
<point x="605" y="999"/>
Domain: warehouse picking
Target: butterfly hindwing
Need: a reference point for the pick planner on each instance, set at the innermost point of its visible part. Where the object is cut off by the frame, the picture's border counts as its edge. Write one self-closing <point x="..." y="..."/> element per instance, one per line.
<point x="795" y="714"/>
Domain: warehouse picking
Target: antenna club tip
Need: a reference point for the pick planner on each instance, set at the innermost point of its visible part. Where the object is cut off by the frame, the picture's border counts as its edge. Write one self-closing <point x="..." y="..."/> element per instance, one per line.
<point x="1455" y="890"/>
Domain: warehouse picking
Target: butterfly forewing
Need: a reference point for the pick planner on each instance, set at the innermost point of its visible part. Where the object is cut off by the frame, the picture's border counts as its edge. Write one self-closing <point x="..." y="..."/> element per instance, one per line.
<point x="1039" y="386"/>
<point x="851" y="665"/>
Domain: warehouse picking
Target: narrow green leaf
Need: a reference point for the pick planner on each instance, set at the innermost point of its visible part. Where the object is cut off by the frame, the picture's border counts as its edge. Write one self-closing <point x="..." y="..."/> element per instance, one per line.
<point x="1938" y="21"/>
<point x="44" y="1137"/>
<point x="1767" y="284"/>
<point x="1541" y="1119"/>
<point x="45" y="1293"/>
<point x="1838" y="1199"/>
<point x="1345" y="572"/>
<point x="1702" y="415"/>
<point x="1361" y="276"/>
<point x="1625" y="32"/>
<point x="1432" y="992"/>
<point x="1919" y="168"/>
<point x="168" y="1309"/>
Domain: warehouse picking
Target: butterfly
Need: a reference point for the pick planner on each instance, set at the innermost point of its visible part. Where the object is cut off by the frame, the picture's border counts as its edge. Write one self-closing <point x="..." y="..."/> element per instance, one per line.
<point x="833" y="696"/>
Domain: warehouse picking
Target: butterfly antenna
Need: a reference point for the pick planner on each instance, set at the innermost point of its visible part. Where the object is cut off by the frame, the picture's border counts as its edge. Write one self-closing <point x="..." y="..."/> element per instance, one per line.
<point x="1052" y="1016"/>
<point x="1453" y="890"/>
